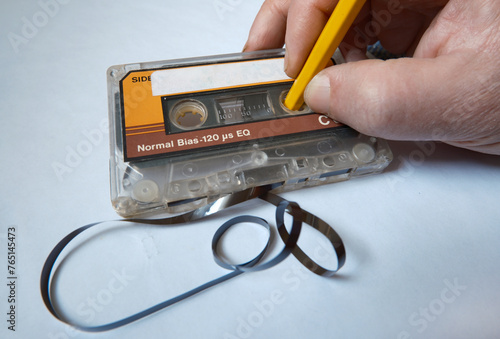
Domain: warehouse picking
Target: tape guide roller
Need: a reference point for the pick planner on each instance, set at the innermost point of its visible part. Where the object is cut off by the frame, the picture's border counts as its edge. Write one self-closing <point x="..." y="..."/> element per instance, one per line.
<point x="185" y="132"/>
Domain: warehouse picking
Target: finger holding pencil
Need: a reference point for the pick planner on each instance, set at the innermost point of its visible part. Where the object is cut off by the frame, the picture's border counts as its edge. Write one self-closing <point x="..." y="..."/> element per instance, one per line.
<point x="445" y="89"/>
<point x="329" y="40"/>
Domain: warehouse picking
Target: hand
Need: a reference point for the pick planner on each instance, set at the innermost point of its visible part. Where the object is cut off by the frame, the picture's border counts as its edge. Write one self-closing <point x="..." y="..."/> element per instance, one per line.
<point x="449" y="90"/>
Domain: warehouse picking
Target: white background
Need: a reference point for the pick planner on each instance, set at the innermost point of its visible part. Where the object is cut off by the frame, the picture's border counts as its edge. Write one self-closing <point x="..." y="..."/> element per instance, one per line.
<point x="429" y="222"/>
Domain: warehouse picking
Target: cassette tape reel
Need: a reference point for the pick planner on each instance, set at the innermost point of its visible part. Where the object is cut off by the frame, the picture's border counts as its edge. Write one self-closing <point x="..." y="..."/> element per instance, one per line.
<point x="186" y="132"/>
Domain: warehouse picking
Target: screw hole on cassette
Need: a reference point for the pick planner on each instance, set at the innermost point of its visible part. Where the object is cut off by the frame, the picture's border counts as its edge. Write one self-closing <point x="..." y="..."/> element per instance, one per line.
<point x="259" y="158"/>
<point x="113" y="73"/>
<point x="289" y="236"/>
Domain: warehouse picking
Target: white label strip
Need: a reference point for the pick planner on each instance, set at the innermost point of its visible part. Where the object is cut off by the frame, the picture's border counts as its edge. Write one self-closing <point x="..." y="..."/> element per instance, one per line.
<point x="217" y="76"/>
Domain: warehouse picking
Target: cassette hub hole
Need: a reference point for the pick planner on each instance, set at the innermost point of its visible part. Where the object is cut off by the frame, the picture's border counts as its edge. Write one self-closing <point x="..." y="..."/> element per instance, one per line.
<point x="303" y="109"/>
<point x="188" y="114"/>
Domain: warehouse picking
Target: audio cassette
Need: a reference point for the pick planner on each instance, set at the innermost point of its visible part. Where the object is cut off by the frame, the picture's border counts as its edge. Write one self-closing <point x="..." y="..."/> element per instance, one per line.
<point x="187" y="132"/>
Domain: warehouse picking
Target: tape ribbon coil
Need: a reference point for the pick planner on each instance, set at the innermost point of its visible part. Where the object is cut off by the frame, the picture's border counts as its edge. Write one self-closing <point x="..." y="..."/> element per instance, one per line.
<point x="290" y="239"/>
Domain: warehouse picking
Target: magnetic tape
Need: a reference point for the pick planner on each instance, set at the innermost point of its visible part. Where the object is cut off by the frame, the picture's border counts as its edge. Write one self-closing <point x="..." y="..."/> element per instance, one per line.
<point x="186" y="132"/>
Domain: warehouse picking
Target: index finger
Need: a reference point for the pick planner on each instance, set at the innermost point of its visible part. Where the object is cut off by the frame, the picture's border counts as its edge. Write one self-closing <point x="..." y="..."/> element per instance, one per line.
<point x="297" y="23"/>
<point x="269" y="27"/>
<point x="306" y="20"/>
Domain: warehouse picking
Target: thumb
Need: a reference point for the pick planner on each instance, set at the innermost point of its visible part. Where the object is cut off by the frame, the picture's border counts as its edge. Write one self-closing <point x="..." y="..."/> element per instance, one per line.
<point x="402" y="99"/>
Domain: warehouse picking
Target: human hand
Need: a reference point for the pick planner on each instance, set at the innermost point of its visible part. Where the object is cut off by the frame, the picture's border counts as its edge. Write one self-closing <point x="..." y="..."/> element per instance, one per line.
<point x="449" y="90"/>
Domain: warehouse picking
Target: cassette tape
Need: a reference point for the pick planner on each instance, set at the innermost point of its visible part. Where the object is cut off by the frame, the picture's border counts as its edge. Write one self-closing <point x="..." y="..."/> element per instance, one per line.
<point x="186" y="132"/>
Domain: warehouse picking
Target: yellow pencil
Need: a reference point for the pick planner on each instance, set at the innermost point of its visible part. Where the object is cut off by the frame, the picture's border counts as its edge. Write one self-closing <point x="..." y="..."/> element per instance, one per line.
<point x="329" y="40"/>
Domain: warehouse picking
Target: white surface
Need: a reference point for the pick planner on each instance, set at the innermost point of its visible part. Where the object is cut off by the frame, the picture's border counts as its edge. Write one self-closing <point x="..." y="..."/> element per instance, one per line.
<point x="218" y="76"/>
<point x="430" y="221"/>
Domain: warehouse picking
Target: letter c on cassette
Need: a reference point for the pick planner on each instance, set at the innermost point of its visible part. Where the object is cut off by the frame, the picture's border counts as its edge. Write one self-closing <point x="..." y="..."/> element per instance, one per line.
<point x="324" y="120"/>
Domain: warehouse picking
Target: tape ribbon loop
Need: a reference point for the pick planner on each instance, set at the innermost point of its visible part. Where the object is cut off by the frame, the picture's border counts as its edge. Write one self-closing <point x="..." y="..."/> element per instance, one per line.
<point x="290" y="239"/>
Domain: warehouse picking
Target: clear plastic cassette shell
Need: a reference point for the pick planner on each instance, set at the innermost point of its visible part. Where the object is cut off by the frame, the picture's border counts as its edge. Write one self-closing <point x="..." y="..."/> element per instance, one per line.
<point x="173" y="181"/>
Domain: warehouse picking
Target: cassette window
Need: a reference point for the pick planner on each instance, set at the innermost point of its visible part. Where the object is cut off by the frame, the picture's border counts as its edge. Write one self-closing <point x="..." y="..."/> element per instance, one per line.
<point x="243" y="108"/>
<point x="212" y="110"/>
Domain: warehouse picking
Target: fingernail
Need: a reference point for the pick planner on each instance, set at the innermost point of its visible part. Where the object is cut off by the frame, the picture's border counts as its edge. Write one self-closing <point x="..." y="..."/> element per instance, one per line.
<point x="317" y="94"/>
<point x="245" y="47"/>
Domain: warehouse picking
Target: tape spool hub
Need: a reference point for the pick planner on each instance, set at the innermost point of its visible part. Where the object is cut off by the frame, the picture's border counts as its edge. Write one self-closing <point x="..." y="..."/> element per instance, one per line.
<point x="304" y="109"/>
<point x="188" y="114"/>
